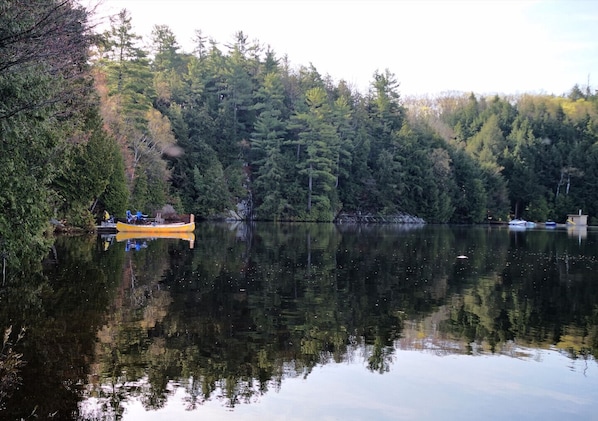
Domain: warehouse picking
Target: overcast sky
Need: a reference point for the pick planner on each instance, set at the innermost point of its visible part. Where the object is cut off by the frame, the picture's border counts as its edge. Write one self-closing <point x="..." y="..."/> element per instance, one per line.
<point x="432" y="46"/>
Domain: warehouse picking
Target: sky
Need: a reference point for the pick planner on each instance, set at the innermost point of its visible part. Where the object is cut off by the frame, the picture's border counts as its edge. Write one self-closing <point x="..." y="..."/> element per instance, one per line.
<point x="431" y="46"/>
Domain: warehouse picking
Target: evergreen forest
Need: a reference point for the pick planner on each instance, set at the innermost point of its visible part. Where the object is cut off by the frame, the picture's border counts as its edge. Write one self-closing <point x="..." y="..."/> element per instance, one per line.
<point x="95" y="121"/>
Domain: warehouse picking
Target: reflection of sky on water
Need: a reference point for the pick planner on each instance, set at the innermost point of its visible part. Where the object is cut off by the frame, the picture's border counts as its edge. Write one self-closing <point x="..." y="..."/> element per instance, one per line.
<point x="419" y="386"/>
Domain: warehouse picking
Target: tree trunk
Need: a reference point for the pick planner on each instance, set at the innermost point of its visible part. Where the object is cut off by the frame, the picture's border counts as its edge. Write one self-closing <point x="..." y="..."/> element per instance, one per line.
<point x="309" y="188"/>
<point x="558" y="187"/>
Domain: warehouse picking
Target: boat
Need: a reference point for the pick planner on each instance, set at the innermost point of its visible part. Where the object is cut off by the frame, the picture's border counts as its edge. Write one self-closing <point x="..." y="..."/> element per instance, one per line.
<point x="153" y="228"/>
<point x="550" y="224"/>
<point x="518" y="223"/>
<point x="521" y="223"/>
<point x="130" y="235"/>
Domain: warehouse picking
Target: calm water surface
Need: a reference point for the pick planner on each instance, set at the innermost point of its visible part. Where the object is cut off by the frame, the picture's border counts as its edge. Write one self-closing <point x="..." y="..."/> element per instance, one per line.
<point x="308" y="322"/>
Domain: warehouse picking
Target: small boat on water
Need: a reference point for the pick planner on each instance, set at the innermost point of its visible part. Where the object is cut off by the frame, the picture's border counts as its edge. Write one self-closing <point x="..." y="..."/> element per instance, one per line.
<point x="157" y="228"/>
<point x="550" y="224"/>
<point x="521" y="223"/>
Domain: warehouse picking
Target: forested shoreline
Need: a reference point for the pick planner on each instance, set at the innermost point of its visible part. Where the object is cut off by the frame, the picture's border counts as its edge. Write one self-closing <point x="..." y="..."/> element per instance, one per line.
<point x="92" y="122"/>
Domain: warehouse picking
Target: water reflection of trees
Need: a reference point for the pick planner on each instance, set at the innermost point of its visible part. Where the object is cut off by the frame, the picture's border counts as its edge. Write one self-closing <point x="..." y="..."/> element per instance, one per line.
<point x="241" y="316"/>
<point x="62" y="308"/>
<point x="244" y="310"/>
<point x="539" y="298"/>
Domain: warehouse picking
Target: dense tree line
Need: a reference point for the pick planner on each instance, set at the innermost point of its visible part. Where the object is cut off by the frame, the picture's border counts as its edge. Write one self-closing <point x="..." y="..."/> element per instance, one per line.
<point x="91" y="122"/>
<point x="536" y="153"/>
<point x="240" y="125"/>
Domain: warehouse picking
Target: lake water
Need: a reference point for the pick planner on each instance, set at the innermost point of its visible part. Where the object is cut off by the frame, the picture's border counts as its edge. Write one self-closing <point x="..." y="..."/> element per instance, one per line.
<point x="308" y="322"/>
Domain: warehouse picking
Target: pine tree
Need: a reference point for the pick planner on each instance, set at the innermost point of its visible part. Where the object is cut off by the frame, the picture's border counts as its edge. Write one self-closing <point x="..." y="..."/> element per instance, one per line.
<point x="266" y="149"/>
<point x="320" y="143"/>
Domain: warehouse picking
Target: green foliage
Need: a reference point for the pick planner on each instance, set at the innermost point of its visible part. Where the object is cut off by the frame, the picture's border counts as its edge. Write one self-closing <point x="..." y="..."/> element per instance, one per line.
<point x="318" y="143"/>
<point x="116" y="195"/>
<point x="299" y="147"/>
<point x="24" y="200"/>
<point x="44" y="97"/>
<point x="539" y="210"/>
<point x="209" y="190"/>
<point x="470" y="195"/>
<point x="86" y="174"/>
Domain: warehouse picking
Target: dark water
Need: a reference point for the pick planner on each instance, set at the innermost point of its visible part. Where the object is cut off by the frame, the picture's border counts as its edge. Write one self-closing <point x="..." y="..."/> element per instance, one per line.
<point x="307" y="322"/>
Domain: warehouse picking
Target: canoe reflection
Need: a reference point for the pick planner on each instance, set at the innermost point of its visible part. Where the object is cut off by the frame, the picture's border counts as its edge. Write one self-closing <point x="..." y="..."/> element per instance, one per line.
<point x="137" y="240"/>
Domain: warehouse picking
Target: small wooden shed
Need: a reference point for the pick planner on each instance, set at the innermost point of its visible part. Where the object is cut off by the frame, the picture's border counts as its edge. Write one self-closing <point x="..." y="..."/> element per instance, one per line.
<point x="577" y="220"/>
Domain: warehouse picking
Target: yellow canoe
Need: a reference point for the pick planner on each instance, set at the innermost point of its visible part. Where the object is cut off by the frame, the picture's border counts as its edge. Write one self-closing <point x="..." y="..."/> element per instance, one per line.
<point x="152" y="229"/>
<point x="155" y="229"/>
